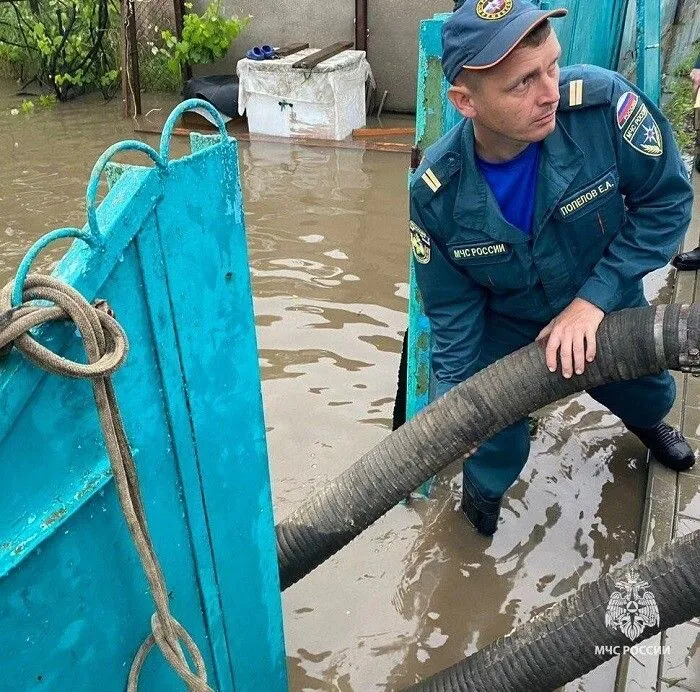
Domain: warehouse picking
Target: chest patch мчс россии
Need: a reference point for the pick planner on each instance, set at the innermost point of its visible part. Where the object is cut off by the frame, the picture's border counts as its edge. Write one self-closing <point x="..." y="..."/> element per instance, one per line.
<point x="482" y="251"/>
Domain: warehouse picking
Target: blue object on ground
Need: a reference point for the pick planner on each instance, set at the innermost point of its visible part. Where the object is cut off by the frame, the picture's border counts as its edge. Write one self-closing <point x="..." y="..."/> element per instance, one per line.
<point x="255" y="53"/>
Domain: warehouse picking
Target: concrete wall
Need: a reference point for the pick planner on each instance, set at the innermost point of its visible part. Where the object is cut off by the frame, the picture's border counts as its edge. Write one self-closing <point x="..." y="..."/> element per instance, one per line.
<point x="686" y="31"/>
<point x="392" y="44"/>
<point x="681" y="28"/>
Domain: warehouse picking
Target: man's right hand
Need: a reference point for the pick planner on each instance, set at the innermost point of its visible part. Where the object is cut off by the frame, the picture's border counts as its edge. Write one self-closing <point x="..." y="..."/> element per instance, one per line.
<point x="695" y="76"/>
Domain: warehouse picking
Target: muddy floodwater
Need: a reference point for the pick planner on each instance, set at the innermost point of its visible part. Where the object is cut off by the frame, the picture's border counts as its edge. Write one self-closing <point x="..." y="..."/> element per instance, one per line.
<point x="328" y="241"/>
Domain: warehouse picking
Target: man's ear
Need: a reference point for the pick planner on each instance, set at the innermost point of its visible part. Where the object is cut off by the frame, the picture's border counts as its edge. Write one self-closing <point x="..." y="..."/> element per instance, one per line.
<point x="461" y="99"/>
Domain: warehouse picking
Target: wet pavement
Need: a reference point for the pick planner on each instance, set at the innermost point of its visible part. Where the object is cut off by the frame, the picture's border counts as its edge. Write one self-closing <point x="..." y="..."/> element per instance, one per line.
<point x="673" y="510"/>
<point x="329" y="259"/>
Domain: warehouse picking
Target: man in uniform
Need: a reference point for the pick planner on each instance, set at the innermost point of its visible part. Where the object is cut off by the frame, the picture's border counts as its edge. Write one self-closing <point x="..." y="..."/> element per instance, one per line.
<point x="537" y="215"/>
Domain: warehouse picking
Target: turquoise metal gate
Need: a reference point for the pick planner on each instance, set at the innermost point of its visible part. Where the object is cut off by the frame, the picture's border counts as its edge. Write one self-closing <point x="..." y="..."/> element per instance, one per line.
<point x="74" y="602"/>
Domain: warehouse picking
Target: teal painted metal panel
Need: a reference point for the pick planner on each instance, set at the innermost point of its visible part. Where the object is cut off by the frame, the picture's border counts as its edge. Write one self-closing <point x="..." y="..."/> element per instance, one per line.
<point x="591" y="32"/>
<point x="649" y="48"/>
<point x="74" y="602"/>
<point x="434" y="117"/>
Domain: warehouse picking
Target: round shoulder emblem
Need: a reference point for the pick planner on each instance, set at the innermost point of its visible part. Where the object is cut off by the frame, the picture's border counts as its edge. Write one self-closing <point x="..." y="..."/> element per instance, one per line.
<point x="493" y="9"/>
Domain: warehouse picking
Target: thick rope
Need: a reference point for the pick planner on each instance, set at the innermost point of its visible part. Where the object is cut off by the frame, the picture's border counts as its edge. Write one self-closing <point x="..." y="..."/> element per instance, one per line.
<point x="106" y="348"/>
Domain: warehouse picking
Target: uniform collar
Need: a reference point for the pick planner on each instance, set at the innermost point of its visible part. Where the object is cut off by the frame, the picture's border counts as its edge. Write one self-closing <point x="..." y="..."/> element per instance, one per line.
<point x="561" y="160"/>
<point x="476" y="207"/>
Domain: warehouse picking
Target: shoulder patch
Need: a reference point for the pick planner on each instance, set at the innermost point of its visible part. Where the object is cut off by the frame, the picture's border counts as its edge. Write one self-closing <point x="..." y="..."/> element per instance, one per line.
<point x="625" y="107"/>
<point x="420" y="243"/>
<point x="431" y="180"/>
<point x="432" y="177"/>
<point x="639" y="129"/>
<point x="584" y="86"/>
<point x="576" y="92"/>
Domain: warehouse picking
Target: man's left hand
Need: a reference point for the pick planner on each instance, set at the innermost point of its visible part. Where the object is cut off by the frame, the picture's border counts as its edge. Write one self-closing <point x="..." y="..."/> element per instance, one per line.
<point x="572" y="334"/>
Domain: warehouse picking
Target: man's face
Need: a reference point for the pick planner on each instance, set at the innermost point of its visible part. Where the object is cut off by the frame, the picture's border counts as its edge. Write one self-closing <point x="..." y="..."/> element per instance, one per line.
<point x="517" y="98"/>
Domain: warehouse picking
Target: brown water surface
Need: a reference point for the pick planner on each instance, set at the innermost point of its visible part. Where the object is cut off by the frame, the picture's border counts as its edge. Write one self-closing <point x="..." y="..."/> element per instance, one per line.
<point x="329" y="257"/>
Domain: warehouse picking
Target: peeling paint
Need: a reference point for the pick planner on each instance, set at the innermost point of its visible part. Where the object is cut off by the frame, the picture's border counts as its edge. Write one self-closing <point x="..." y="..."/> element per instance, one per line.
<point x="19" y="548"/>
<point x="53" y="517"/>
<point x="88" y="488"/>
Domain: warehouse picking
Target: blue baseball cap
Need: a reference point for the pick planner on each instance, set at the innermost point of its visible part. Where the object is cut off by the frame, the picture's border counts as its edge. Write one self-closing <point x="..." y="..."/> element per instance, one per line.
<point x="481" y="33"/>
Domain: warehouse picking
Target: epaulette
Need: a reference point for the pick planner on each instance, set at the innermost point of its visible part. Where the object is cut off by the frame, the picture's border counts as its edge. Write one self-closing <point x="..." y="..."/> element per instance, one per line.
<point x="431" y="177"/>
<point x="585" y="86"/>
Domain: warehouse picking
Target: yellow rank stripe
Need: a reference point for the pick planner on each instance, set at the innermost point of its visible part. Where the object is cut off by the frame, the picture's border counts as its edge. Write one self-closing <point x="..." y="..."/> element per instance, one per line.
<point x="431" y="180"/>
<point x="576" y="92"/>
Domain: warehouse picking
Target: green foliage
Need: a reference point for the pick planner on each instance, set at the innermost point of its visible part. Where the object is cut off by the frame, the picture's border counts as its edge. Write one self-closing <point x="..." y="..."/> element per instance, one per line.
<point x="155" y="74"/>
<point x="28" y="106"/>
<point x="69" y="45"/>
<point x="205" y="38"/>
<point x="679" y="108"/>
<point x="10" y="54"/>
<point x="47" y="100"/>
<point x="11" y="59"/>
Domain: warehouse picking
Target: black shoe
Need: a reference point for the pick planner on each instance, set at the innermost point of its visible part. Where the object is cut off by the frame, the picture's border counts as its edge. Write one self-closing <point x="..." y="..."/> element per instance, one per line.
<point x="667" y="444"/>
<point x="482" y="513"/>
<point x="687" y="261"/>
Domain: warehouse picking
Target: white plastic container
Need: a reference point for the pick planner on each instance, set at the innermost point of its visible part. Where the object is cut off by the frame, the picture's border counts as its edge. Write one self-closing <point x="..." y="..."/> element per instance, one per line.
<point x="327" y="102"/>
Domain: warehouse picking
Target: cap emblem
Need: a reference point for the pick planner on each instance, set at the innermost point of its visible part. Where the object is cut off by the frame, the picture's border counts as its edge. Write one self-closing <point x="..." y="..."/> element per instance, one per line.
<point x="493" y="9"/>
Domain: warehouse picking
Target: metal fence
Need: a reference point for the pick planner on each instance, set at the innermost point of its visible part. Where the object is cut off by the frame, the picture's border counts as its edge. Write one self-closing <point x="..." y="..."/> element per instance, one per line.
<point x="146" y="68"/>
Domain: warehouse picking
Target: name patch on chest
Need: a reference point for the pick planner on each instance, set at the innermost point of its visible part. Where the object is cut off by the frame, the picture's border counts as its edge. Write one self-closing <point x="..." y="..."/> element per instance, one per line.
<point x="481" y="251"/>
<point x="589" y="194"/>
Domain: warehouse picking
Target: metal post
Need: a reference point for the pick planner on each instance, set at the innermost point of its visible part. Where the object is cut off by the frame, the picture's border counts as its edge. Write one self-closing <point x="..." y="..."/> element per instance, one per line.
<point x="649" y="48"/>
<point x="179" y="8"/>
<point x="361" y="25"/>
<point x="434" y="117"/>
<point x="131" y="85"/>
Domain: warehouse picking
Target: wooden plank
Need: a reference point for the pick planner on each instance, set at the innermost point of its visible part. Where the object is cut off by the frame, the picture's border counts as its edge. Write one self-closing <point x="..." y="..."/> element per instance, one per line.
<point x="396" y="147"/>
<point x="292" y="48"/>
<point x="384" y="132"/>
<point x="392" y="147"/>
<point x="310" y="61"/>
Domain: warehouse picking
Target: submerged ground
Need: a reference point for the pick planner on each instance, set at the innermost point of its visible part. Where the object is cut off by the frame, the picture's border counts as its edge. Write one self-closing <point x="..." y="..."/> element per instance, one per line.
<point x="328" y="243"/>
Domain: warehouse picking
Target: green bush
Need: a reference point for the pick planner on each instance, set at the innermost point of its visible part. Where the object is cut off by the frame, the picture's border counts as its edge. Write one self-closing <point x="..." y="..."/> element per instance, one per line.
<point x="679" y="108"/>
<point x="156" y="75"/>
<point x="205" y="38"/>
<point x="70" y="46"/>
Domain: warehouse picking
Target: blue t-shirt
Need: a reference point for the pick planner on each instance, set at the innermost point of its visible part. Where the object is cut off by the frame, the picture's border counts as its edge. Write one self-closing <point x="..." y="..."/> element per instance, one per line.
<point x="513" y="184"/>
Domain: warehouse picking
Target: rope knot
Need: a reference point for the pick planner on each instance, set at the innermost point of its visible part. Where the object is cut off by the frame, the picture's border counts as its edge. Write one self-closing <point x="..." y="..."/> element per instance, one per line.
<point x="105" y="342"/>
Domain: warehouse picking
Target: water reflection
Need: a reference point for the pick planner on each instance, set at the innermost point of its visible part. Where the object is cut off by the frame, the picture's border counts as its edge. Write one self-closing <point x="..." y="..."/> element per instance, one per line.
<point x="328" y="256"/>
